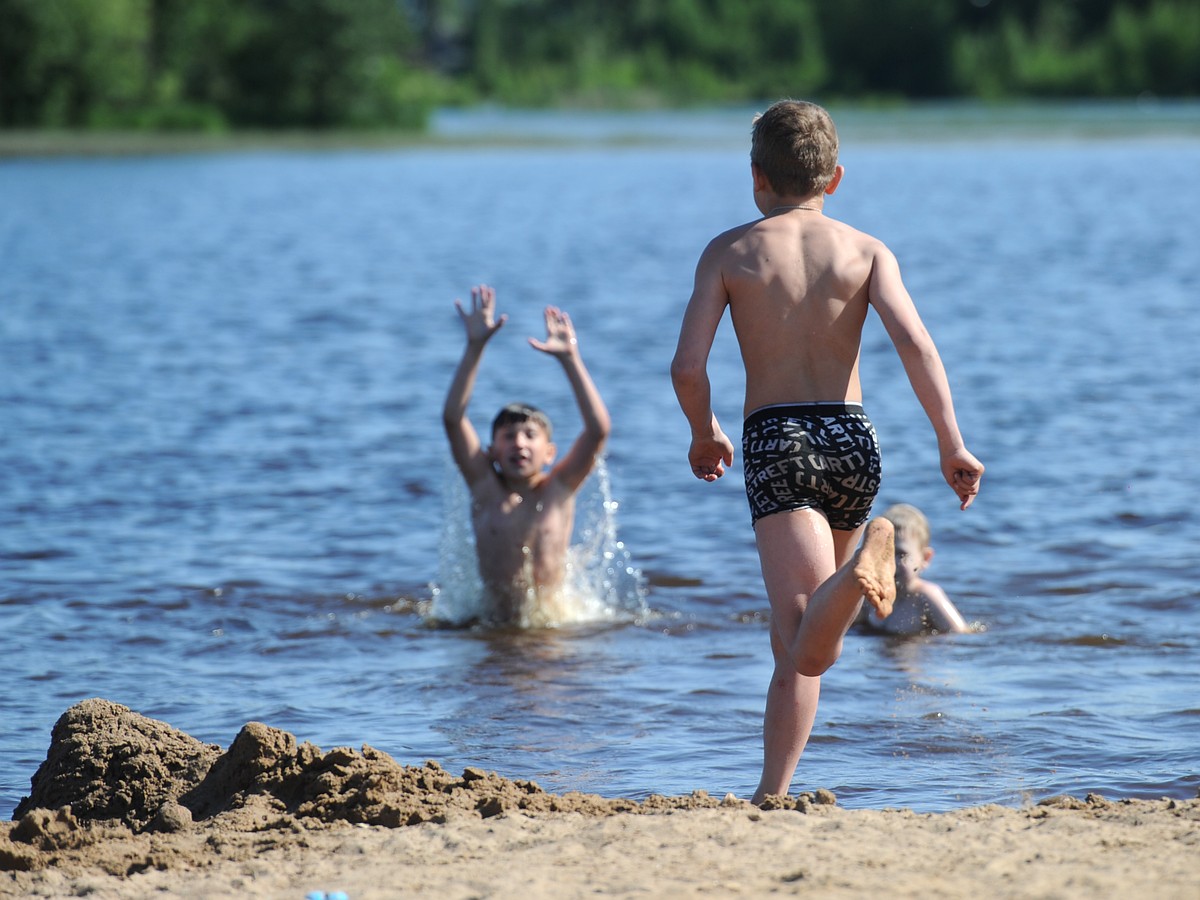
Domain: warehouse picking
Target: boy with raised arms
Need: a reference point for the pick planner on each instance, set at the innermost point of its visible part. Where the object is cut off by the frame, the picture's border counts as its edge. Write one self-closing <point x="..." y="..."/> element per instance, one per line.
<point x="522" y="500"/>
<point x="798" y="286"/>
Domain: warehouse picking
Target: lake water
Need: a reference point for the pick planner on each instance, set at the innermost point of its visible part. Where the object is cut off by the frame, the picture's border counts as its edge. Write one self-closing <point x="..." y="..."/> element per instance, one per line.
<point x="225" y="496"/>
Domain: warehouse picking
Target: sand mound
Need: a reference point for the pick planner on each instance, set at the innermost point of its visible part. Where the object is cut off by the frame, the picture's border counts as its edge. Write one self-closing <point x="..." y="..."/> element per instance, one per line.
<point x="107" y="762"/>
<point x="109" y="768"/>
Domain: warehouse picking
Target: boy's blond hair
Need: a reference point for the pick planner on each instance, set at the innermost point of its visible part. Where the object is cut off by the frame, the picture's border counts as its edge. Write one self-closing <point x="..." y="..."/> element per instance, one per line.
<point x="909" y="520"/>
<point x="795" y="145"/>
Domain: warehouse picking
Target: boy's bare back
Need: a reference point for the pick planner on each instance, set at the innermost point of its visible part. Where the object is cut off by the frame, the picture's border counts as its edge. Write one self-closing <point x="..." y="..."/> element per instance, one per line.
<point x="797" y="285"/>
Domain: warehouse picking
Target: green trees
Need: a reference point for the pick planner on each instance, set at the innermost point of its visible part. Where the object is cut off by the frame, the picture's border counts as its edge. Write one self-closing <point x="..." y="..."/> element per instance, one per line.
<point x="688" y="51"/>
<point x="210" y="64"/>
<point x="705" y="51"/>
<point x="69" y="63"/>
<point x="320" y="64"/>
<point x="601" y="52"/>
<point x="1055" y="50"/>
<point x="324" y="64"/>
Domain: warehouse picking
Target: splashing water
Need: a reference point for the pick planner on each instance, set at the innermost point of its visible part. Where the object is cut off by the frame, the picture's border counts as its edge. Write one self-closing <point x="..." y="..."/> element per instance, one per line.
<point x="601" y="582"/>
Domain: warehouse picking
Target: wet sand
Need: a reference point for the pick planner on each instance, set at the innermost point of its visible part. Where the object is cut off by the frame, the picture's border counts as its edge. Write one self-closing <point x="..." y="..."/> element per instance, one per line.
<point x="126" y="806"/>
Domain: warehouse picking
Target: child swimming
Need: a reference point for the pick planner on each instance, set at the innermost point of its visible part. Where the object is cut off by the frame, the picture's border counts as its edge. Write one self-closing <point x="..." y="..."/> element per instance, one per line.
<point x="522" y="494"/>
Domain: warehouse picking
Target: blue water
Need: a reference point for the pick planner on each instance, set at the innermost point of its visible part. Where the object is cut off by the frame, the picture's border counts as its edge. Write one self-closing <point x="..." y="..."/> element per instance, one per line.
<point x="225" y="496"/>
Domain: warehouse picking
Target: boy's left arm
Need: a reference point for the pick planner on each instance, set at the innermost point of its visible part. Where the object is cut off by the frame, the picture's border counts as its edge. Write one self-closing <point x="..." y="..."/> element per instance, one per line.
<point x="926" y="374"/>
<point x="562" y="344"/>
<point x="941" y="613"/>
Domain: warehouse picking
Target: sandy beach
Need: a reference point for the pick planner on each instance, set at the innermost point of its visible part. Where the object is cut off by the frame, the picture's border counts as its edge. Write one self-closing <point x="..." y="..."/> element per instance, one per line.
<point x="126" y="806"/>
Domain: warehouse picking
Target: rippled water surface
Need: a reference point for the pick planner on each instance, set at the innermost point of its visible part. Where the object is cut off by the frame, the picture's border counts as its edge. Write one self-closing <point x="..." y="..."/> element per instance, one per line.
<point x="224" y="486"/>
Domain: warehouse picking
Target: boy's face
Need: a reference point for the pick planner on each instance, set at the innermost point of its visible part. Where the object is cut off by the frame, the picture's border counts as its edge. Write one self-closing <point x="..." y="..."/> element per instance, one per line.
<point x="911" y="559"/>
<point x="521" y="450"/>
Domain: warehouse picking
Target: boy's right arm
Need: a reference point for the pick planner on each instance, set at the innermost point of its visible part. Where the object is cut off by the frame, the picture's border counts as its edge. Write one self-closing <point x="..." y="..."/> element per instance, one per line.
<point x="711" y="450"/>
<point x="480" y="324"/>
<point x="925" y="371"/>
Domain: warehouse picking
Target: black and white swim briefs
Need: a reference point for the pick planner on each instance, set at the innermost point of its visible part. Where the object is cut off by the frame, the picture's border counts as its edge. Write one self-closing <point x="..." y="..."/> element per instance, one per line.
<point x="822" y="456"/>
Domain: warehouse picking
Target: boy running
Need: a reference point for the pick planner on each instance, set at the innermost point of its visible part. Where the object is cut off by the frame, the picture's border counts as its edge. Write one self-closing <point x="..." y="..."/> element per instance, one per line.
<point x="798" y="286"/>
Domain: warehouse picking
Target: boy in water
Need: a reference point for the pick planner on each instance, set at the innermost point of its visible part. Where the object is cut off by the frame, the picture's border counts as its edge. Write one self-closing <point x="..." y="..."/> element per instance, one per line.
<point x="921" y="606"/>
<point x="522" y="510"/>
<point x="798" y="286"/>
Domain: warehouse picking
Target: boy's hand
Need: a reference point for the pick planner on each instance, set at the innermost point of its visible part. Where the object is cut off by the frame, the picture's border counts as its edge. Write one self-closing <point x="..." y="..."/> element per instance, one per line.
<point x="710" y="455"/>
<point x="481" y="322"/>
<point x="560" y="334"/>
<point x="963" y="473"/>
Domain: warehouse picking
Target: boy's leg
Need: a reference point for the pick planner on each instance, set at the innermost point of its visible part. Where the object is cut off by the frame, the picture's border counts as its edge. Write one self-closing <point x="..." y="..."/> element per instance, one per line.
<point x="787" y="722"/>
<point x="868" y="571"/>
<point x="797" y="554"/>
<point x="815" y="582"/>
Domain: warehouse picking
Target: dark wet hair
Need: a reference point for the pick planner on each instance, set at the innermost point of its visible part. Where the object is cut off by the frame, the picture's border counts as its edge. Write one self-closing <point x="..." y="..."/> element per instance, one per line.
<point x="521" y="412"/>
<point x="795" y="145"/>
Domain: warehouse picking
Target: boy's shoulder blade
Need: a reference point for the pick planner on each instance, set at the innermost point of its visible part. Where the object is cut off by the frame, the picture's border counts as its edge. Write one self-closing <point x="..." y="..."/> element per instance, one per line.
<point x="732" y="235"/>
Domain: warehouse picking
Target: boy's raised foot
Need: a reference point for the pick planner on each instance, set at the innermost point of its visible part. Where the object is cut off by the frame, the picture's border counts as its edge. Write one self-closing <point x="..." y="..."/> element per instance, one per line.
<point x="875" y="566"/>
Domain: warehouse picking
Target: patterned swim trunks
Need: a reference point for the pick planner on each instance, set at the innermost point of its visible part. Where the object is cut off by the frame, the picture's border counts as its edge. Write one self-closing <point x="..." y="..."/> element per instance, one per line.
<point x="822" y="456"/>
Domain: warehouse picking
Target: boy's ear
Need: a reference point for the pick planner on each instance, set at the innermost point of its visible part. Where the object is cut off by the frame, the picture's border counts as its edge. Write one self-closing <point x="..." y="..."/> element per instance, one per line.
<point x="551" y="452"/>
<point x="838" y="171"/>
<point x="761" y="183"/>
<point x="928" y="556"/>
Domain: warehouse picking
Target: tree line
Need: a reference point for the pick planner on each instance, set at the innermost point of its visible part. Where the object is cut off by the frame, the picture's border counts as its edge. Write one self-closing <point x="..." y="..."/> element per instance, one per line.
<point x="324" y="64"/>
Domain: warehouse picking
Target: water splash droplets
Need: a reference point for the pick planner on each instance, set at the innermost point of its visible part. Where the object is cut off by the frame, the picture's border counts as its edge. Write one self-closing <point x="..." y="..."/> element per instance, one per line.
<point x="602" y="583"/>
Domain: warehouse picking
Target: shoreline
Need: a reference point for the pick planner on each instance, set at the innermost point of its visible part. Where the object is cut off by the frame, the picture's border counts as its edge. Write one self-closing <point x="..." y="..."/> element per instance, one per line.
<point x="126" y="806"/>
<point x="476" y="127"/>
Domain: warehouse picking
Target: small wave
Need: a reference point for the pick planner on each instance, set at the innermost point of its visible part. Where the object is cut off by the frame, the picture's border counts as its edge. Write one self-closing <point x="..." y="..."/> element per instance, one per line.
<point x="1087" y="640"/>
